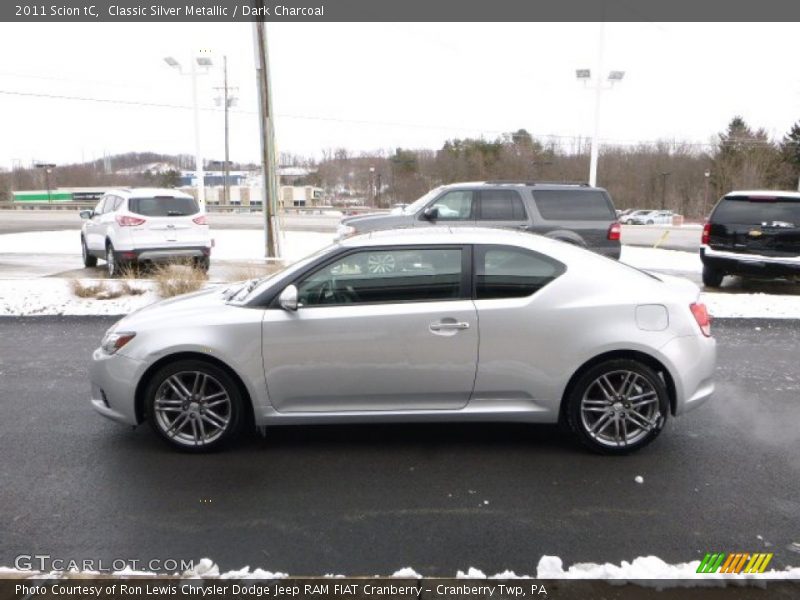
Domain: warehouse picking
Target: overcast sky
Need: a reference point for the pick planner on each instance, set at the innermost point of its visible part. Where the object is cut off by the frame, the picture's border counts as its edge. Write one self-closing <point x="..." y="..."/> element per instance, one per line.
<point x="377" y="85"/>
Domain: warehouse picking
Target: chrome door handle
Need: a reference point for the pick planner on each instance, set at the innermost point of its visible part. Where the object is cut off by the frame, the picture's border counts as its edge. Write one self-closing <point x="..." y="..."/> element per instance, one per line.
<point x="449" y="326"/>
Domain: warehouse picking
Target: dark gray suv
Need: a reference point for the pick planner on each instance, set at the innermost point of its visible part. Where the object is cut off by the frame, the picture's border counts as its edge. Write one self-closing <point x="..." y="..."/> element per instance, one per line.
<point x="574" y="213"/>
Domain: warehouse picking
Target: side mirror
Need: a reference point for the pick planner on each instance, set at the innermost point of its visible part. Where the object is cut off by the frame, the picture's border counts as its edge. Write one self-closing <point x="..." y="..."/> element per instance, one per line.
<point x="288" y="298"/>
<point x="431" y="213"/>
<point x="86" y="214"/>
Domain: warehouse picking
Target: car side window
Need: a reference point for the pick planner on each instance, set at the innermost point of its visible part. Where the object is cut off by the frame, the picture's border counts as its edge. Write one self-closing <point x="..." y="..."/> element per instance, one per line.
<point x="380" y="276"/>
<point x="98" y="210"/>
<point x="510" y="272"/>
<point x="454" y="206"/>
<point x="501" y="205"/>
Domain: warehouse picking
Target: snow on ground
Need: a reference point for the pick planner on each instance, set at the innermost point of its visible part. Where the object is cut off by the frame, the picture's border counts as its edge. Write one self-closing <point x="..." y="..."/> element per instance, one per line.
<point x="644" y="570"/>
<point x="52" y="296"/>
<point x="661" y="260"/>
<point x="751" y="306"/>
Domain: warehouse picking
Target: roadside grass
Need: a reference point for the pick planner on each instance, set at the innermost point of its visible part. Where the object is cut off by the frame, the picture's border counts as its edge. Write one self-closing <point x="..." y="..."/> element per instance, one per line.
<point x="176" y="279"/>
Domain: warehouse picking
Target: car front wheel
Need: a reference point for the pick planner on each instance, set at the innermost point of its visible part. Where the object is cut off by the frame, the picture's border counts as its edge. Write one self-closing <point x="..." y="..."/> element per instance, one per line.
<point x="618" y="406"/>
<point x="194" y="405"/>
<point x="89" y="260"/>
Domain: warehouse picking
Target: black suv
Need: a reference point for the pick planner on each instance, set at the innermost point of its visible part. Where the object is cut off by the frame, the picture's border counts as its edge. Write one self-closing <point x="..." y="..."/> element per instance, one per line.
<point x="753" y="234"/>
<point x="575" y="213"/>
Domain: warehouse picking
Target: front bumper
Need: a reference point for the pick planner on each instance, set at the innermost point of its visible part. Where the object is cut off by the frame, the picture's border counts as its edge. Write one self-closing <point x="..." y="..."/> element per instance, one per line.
<point x="113" y="386"/>
<point x="737" y="263"/>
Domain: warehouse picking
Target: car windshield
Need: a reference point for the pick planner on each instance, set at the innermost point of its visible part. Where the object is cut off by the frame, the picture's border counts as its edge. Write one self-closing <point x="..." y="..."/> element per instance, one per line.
<point x="752" y="210"/>
<point x="419" y="203"/>
<point x="164" y="206"/>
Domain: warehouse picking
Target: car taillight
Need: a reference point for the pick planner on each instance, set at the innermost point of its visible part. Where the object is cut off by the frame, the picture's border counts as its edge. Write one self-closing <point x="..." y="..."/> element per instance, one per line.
<point x="706" y="233"/>
<point x="702" y="317"/>
<point x="201" y="220"/>
<point x="614" y="232"/>
<point x="125" y="221"/>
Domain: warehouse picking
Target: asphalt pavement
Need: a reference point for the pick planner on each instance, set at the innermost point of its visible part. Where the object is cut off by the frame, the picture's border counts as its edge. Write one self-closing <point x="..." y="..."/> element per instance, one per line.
<point x="371" y="499"/>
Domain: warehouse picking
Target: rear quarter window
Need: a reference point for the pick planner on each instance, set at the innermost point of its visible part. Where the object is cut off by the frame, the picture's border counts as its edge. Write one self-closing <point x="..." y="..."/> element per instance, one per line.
<point x="573" y="205"/>
<point x="163" y="206"/>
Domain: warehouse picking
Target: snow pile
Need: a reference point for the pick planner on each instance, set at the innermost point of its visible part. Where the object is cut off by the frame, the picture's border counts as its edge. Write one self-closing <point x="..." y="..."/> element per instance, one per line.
<point x="642" y="570"/>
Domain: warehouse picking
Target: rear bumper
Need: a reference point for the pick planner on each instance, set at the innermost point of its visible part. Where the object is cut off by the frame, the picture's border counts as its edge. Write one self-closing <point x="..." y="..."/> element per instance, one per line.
<point x="609" y="251"/>
<point x="736" y="263"/>
<point x="165" y="254"/>
<point x="693" y="359"/>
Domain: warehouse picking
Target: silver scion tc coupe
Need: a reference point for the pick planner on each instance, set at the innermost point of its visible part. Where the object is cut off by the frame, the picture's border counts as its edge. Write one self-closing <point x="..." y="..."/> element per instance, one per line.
<point x="465" y="324"/>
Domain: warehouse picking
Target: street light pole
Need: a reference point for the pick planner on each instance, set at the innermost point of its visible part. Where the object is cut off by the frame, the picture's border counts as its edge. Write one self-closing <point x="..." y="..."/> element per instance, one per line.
<point x="228" y="100"/>
<point x="598" y="93"/>
<point x="202" y="61"/>
<point x="47" y="168"/>
<point x="599" y="87"/>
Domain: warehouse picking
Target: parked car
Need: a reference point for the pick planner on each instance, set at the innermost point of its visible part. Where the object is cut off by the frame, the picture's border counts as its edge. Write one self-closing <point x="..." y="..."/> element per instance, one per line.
<point x="650" y="217"/>
<point x="566" y="335"/>
<point x="574" y="213"/>
<point x="134" y="225"/>
<point x="626" y="217"/>
<point x="752" y="234"/>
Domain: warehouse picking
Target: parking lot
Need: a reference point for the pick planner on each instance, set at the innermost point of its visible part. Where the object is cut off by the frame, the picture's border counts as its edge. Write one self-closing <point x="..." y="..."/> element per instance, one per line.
<point x="372" y="499"/>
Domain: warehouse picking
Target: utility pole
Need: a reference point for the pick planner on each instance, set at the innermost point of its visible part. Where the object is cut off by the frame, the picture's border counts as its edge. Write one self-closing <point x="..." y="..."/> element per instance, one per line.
<point x="269" y="188"/>
<point x="227" y="101"/>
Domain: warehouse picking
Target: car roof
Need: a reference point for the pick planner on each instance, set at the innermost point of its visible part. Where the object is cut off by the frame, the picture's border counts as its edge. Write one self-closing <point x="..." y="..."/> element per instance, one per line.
<point x="147" y="192"/>
<point x="782" y="193"/>
<point x="577" y="186"/>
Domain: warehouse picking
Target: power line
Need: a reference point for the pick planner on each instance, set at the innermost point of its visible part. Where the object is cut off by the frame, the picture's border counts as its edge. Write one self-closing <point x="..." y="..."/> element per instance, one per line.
<point x="546" y="136"/>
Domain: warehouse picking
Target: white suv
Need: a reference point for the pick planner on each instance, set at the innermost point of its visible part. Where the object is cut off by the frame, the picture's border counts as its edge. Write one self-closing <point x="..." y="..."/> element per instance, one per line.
<point x="131" y="225"/>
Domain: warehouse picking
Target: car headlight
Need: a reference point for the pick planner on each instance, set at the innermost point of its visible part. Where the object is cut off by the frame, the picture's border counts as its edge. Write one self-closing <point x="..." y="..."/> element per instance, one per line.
<point x="114" y="340"/>
<point x="344" y="231"/>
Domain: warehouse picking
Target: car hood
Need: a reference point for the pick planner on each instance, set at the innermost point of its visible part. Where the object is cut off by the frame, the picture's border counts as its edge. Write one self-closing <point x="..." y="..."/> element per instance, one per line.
<point x="171" y="309"/>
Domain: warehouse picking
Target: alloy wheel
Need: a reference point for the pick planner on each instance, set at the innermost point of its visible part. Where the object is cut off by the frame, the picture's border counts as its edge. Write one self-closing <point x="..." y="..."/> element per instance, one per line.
<point x="620" y="408"/>
<point x="380" y="263"/>
<point x="192" y="408"/>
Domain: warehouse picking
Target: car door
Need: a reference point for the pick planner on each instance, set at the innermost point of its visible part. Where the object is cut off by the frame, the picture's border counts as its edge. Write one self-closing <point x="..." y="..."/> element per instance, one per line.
<point x="94" y="239"/>
<point x="501" y="208"/>
<point x="379" y="329"/>
<point x="518" y="326"/>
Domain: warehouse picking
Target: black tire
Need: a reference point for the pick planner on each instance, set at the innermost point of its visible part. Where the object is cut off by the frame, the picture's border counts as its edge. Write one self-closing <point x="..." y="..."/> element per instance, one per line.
<point x="712" y="277"/>
<point x="203" y="264"/>
<point x="589" y="421"/>
<point x="650" y="222"/>
<point x="89" y="260"/>
<point x="112" y="261"/>
<point x="194" y="415"/>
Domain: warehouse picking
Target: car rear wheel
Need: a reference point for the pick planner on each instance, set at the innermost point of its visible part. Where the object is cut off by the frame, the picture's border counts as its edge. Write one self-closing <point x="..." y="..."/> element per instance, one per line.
<point x="203" y="264"/>
<point x="712" y="277"/>
<point x="194" y="406"/>
<point x="650" y="222"/>
<point x="89" y="260"/>
<point x="618" y="406"/>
